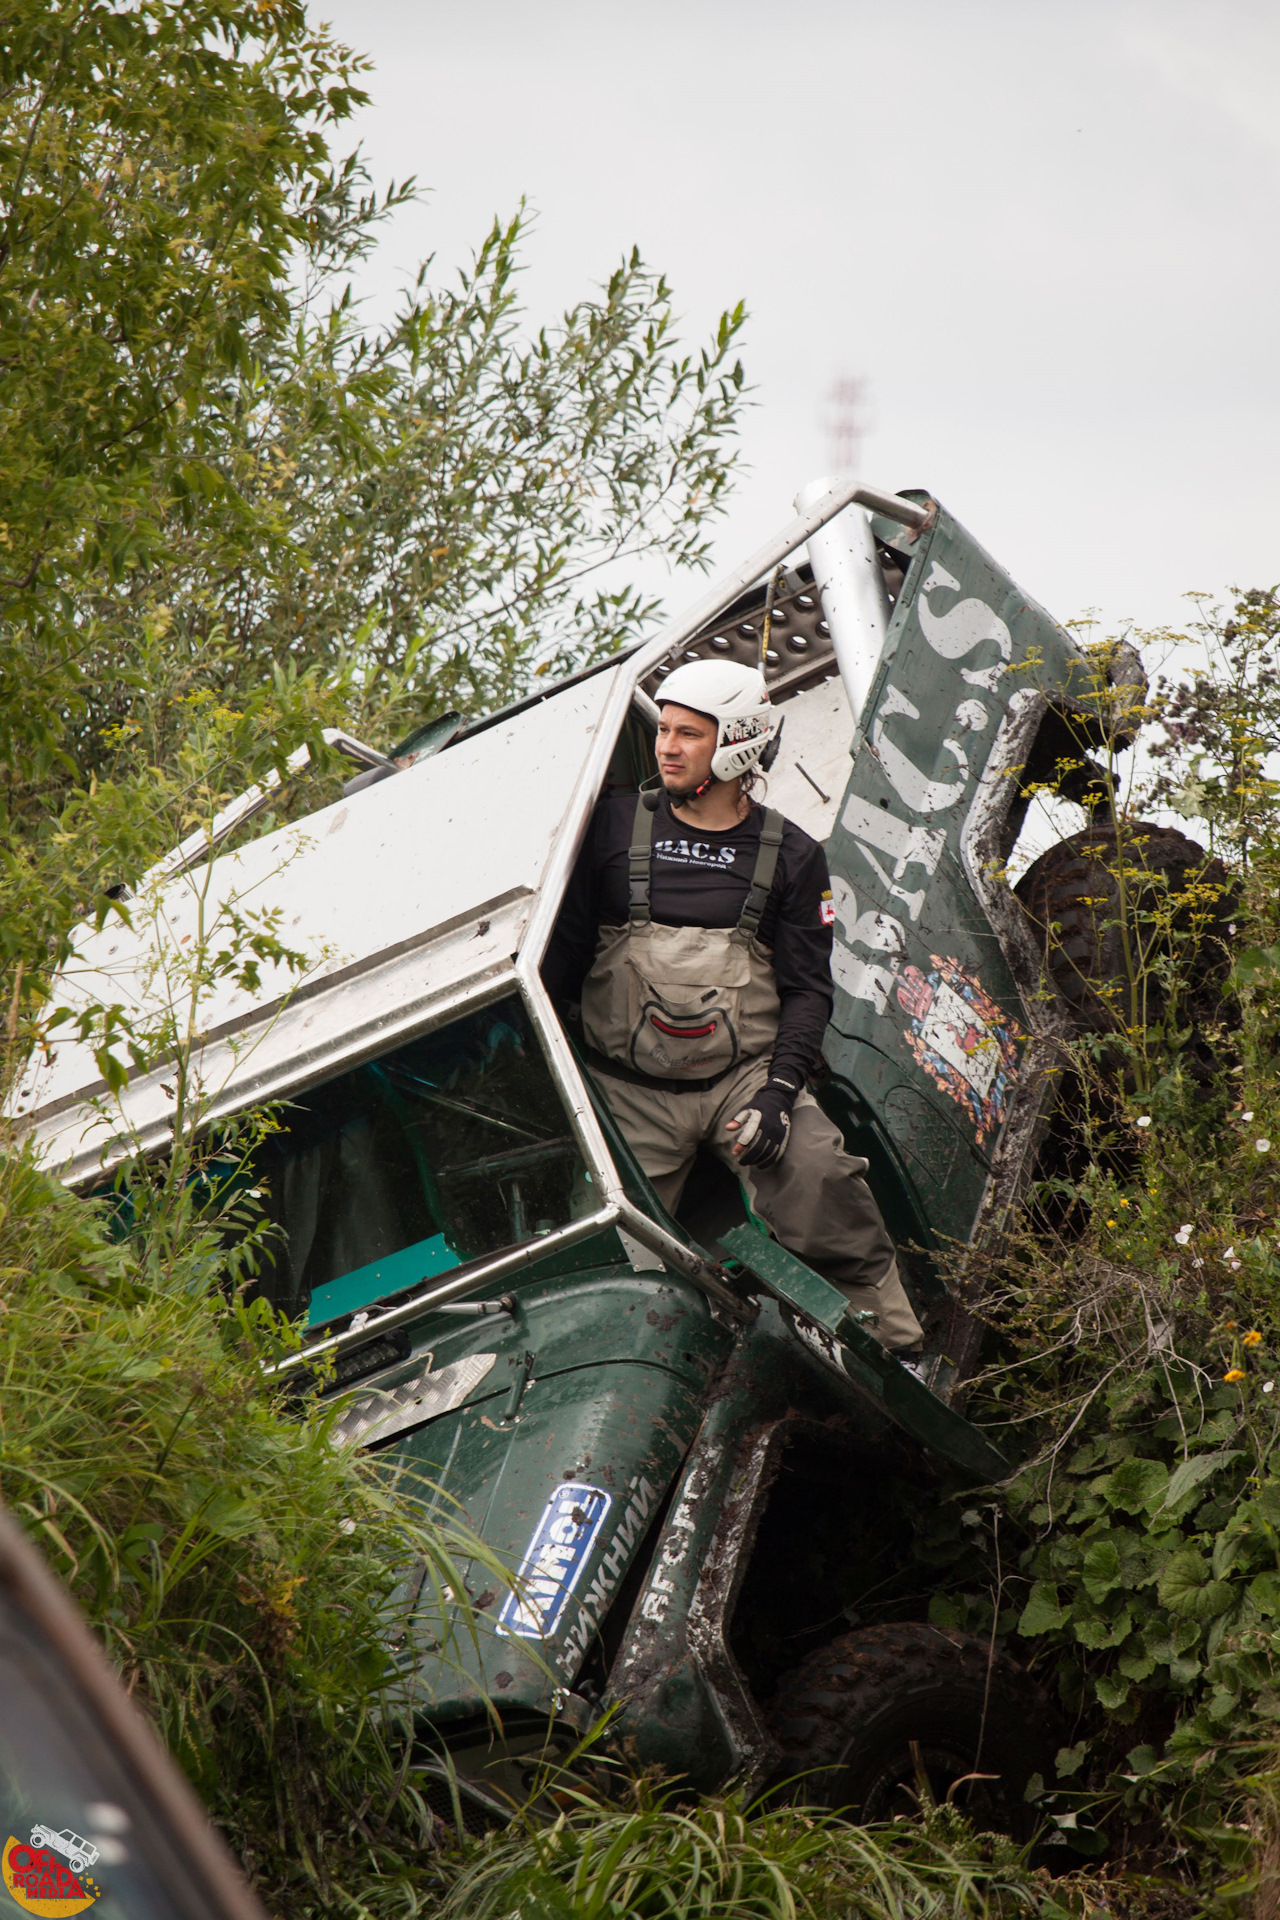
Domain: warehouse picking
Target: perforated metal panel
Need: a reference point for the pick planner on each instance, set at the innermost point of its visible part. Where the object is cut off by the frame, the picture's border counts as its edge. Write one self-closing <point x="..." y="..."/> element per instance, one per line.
<point x="800" y="652"/>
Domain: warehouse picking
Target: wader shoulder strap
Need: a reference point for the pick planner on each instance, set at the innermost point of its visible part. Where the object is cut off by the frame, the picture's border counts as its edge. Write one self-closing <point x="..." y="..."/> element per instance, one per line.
<point x="639" y="858"/>
<point x="639" y="865"/>
<point x="762" y="879"/>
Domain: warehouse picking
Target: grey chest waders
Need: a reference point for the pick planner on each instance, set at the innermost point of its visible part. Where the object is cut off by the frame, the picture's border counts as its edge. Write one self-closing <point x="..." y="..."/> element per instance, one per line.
<point x="685" y="1005"/>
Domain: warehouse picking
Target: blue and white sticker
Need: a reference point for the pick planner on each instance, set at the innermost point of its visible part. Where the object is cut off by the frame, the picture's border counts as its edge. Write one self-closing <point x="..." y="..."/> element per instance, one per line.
<point x="553" y="1562"/>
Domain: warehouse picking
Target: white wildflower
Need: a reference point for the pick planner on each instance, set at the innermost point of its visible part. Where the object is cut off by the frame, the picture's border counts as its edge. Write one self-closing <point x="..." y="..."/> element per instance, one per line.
<point x="1262" y="1146"/>
<point x="1268" y="1386"/>
<point x="1183" y="1235"/>
<point x="1144" y="1119"/>
<point x="1246" y="1116"/>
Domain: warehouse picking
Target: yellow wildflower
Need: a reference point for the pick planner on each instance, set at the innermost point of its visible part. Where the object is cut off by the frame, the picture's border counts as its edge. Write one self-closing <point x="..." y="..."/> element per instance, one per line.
<point x="1111" y="1223"/>
<point x="1252" y="1339"/>
<point x="1233" y="1374"/>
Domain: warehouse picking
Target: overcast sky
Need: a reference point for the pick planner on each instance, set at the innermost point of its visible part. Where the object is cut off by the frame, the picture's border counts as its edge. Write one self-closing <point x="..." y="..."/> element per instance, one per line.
<point x="1043" y="236"/>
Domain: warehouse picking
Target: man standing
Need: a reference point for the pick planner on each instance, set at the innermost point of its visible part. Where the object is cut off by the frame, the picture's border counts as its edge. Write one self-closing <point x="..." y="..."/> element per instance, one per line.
<point x="696" y="932"/>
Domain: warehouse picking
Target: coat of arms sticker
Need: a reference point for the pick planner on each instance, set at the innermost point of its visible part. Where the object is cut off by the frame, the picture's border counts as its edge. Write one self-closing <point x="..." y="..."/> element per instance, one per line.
<point x="965" y="1042"/>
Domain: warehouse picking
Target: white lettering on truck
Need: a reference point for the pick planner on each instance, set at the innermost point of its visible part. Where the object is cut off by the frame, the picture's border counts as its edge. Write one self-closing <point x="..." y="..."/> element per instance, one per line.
<point x="593" y="1603"/>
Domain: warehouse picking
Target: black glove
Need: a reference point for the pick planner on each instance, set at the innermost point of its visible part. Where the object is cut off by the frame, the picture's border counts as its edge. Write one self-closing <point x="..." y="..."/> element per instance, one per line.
<point x="764" y="1127"/>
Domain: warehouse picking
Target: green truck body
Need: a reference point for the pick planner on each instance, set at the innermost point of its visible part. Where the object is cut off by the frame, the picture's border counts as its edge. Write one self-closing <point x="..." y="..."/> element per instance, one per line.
<point x="668" y="1429"/>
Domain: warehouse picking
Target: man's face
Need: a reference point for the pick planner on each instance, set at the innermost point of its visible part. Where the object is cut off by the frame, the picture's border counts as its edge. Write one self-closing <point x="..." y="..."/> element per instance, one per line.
<point x="686" y="742"/>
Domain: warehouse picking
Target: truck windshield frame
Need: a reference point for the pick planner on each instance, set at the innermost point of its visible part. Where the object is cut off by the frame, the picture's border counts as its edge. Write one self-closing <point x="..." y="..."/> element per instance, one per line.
<point x="451" y="1147"/>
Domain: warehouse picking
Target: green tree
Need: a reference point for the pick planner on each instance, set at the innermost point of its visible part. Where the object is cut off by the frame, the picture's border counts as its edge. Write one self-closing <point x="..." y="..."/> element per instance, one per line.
<point x="161" y="166"/>
<point x="231" y="511"/>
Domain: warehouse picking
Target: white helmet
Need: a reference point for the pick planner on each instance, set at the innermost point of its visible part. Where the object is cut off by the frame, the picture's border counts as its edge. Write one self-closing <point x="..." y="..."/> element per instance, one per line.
<point x="737" y="699"/>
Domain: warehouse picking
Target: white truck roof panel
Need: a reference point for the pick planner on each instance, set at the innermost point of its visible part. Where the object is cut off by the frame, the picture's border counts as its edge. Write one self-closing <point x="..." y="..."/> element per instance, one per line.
<point x="405" y="898"/>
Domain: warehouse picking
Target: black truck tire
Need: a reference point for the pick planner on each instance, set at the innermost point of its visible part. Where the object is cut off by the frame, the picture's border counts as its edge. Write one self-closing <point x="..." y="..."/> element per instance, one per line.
<point x="864" y="1720"/>
<point x="1071" y="896"/>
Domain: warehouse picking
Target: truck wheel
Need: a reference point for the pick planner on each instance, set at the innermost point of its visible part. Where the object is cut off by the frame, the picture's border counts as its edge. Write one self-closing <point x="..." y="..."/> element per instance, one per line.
<point x="872" y="1718"/>
<point x="1071" y="895"/>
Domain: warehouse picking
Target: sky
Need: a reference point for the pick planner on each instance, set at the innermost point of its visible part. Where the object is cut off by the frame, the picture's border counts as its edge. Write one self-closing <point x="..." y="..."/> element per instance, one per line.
<point x="1041" y="237"/>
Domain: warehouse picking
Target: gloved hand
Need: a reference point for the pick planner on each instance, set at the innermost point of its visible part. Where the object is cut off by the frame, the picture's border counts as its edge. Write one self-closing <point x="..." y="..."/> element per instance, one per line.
<point x="764" y="1127"/>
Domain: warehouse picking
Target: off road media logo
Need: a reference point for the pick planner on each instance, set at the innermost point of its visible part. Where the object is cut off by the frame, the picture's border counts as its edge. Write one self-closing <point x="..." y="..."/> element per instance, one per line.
<point x="48" y="1875"/>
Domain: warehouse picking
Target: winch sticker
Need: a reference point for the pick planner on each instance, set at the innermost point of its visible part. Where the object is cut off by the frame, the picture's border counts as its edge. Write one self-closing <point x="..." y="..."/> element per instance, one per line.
<point x="965" y="1042"/>
<point x="553" y="1562"/>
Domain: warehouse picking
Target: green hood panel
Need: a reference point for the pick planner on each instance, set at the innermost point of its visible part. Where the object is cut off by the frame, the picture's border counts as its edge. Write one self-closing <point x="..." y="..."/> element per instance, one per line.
<point x="621" y="1365"/>
<point x="618" y="1429"/>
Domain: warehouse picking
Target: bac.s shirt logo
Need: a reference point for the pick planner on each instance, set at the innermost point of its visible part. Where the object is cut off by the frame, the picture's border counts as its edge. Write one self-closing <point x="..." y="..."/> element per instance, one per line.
<point x="694" y="853"/>
<point x="827" y="909"/>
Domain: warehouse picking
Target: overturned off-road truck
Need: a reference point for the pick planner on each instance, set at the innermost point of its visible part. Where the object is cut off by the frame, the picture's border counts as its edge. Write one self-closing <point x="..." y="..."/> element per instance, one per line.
<point x="700" y="1466"/>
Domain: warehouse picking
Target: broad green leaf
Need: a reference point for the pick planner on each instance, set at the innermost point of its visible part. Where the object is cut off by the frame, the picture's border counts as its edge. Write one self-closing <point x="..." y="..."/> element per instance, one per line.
<point x="1192" y="1473"/>
<point x="1138" y="1664"/>
<point x="1097" y="1630"/>
<point x="1136" y="1486"/>
<point x="1263" y="1594"/>
<point x="1256" y="963"/>
<point x="1043" y="1612"/>
<point x="1187" y="1586"/>
<point x="1111" y="1692"/>
<point x="943" y="1611"/>
<point x="1101" y="1571"/>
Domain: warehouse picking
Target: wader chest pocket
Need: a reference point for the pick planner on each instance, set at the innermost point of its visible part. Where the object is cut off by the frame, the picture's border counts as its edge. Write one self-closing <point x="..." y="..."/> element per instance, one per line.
<point x="684" y="1002"/>
<point x="673" y="1001"/>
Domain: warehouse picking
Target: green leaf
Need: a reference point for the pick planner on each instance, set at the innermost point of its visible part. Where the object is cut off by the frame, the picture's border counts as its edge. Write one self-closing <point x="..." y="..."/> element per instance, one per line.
<point x="943" y="1612"/>
<point x="1043" y="1612"/>
<point x="1187" y="1586"/>
<point x="1101" y="1570"/>
<point x="1256" y="963"/>
<point x="1192" y="1473"/>
<point x="1098" y="1629"/>
<point x="1136" y="1486"/>
<point x="1137" y="1664"/>
<point x="1111" y="1692"/>
<point x="1263" y="1594"/>
<point x="229" y="1515"/>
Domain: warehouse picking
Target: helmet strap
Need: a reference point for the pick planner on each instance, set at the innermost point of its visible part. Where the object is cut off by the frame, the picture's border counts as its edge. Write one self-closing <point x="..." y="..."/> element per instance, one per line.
<point x="682" y="799"/>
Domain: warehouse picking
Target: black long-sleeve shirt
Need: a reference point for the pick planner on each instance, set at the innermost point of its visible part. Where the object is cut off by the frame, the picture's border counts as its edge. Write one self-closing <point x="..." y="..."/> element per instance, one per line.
<point x="701" y="879"/>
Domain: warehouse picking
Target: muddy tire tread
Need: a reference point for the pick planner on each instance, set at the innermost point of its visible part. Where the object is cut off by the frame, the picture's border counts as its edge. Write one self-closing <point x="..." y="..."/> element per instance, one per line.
<point x="864" y="1678"/>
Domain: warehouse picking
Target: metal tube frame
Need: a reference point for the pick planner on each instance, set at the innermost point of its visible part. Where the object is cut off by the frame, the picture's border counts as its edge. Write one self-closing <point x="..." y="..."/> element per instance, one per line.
<point x="474" y="1274"/>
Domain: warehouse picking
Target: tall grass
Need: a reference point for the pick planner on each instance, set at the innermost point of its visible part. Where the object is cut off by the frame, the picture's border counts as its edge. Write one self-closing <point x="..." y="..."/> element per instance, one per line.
<point x="652" y="1859"/>
<point x="239" y="1568"/>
